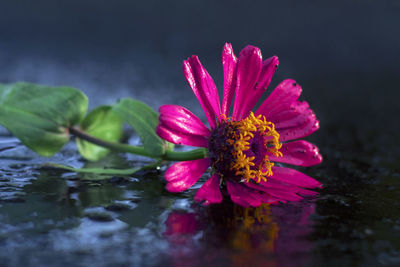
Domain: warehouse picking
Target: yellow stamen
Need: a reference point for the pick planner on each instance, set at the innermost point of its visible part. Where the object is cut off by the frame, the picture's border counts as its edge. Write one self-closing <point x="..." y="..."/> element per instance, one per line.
<point x="244" y="165"/>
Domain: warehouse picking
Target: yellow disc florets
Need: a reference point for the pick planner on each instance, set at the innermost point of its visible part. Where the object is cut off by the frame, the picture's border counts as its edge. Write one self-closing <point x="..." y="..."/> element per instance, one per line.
<point x="241" y="148"/>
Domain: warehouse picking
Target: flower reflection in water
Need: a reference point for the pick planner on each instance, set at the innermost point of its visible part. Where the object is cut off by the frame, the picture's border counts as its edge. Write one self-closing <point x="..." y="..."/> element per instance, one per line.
<point x="255" y="229"/>
<point x="262" y="236"/>
<point x="181" y="227"/>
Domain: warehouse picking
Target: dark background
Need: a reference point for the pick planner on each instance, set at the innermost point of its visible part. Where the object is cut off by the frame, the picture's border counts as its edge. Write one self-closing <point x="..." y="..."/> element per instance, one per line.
<point x="345" y="54"/>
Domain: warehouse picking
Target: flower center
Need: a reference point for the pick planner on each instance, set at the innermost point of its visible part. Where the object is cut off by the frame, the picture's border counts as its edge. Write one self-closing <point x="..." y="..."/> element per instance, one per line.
<point x="239" y="149"/>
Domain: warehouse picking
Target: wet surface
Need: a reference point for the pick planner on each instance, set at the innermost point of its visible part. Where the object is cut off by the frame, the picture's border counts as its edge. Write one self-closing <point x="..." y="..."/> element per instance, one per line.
<point x="48" y="216"/>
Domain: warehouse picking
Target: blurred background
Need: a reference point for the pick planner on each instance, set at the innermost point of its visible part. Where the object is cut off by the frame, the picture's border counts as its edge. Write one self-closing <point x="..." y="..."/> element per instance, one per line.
<point x="344" y="53"/>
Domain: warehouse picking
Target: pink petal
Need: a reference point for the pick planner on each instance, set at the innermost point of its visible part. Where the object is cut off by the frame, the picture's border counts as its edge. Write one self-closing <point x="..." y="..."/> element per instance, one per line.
<point x="229" y="63"/>
<point x="293" y="177"/>
<point x="287" y="92"/>
<point x="180" y="138"/>
<point x="203" y="87"/>
<point x="301" y="153"/>
<point x="298" y="118"/>
<point x="209" y="191"/>
<point x="283" y="190"/>
<point x="248" y="72"/>
<point x="280" y="192"/>
<point x="184" y="174"/>
<point x="294" y="121"/>
<point x="291" y="112"/>
<point x="180" y="126"/>
<point x="243" y="195"/>
<point x="267" y="199"/>
<point x="308" y="193"/>
<point x="268" y="69"/>
<point x="180" y="117"/>
<point x="289" y="188"/>
<point x="303" y="126"/>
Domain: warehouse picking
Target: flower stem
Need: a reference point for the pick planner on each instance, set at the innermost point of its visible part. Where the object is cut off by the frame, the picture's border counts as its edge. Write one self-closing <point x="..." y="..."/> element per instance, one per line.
<point x="139" y="150"/>
<point x="199" y="153"/>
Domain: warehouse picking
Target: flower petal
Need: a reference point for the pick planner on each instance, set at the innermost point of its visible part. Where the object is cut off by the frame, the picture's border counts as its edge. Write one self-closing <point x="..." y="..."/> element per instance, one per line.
<point x="287" y="92"/>
<point x="242" y="195"/>
<point x="180" y="138"/>
<point x="300" y="153"/>
<point x="292" y="119"/>
<point x="184" y="174"/>
<point x="293" y="177"/>
<point x="182" y="118"/>
<point x="180" y="126"/>
<point x="203" y="87"/>
<point x="302" y="126"/>
<point x="248" y="72"/>
<point x="285" y="190"/>
<point x="291" y="112"/>
<point x="209" y="191"/>
<point x="279" y="192"/>
<point x="266" y="198"/>
<point x="288" y="188"/>
<point x="268" y="69"/>
<point x="229" y="64"/>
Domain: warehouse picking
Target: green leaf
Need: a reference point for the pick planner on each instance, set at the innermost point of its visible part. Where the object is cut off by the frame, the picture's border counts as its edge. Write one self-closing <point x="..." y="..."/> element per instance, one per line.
<point x="143" y="119"/>
<point x="40" y="115"/>
<point x="103" y="124"/>
<point x="94" y="170"/>
<point x="102" y="173"/>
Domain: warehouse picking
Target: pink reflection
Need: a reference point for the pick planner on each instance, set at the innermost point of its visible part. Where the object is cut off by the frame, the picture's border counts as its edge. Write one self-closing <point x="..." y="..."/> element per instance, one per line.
<point x="237" y="236"/>
<point x="180" y="227"/>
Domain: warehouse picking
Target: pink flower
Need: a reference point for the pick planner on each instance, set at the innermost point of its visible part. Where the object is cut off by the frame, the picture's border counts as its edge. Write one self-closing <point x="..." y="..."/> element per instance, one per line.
<point x="243" y="147"/>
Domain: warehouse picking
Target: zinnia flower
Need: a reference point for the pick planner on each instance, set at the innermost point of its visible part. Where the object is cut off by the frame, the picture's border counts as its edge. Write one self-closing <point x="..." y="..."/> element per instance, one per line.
<point x="244" y="147"/>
